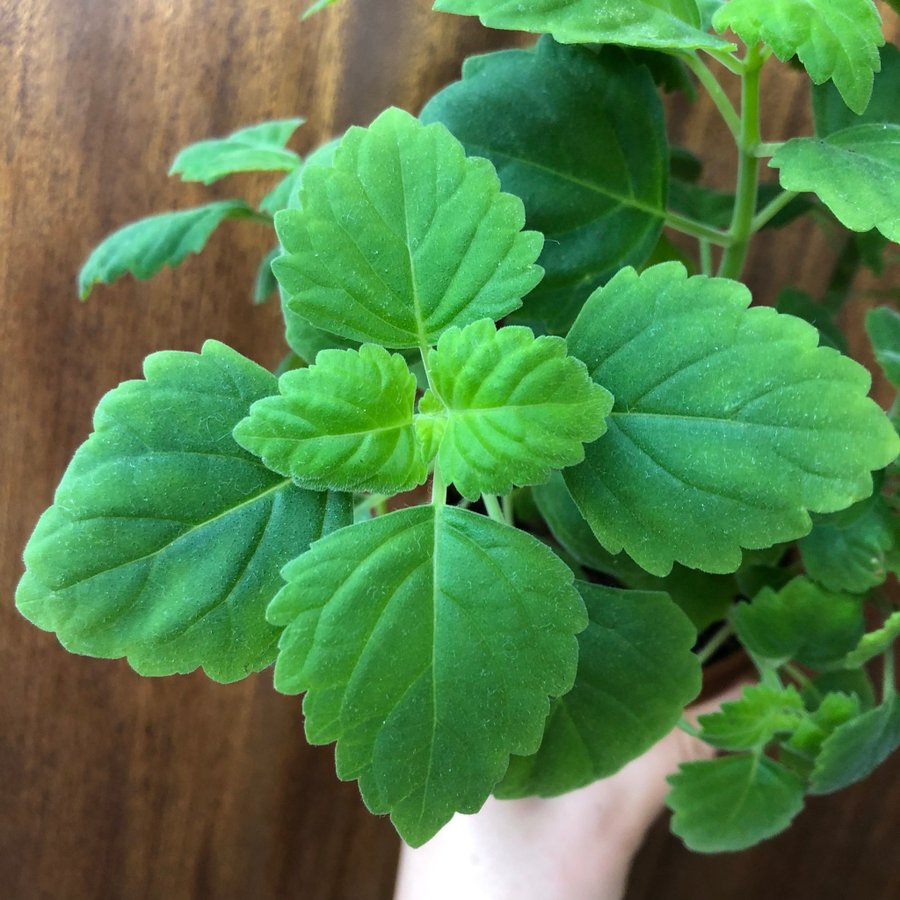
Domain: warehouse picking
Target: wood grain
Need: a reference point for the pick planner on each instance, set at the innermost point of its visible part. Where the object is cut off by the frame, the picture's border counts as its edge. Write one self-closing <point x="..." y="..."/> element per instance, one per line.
<point x="112" y="786"/>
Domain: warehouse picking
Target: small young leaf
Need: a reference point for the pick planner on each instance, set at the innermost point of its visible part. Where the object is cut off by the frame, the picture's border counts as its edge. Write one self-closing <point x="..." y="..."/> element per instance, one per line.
<point x="515" y="407"/>
<point x="257" y="148"/>
<point x="144" y="247"/>
<point x="855" y="682"/>
<point x="833" y="40"/>
<point x="722" y="415"/>
<point x="403" y="237"/>
<point x="883" y="326"/>
<point x="855" y="172"/>
<point x="265" y="284"/>
<point x="588" y="160"/>
<point x="660" y="24"/>
<point x="732" y="803"/>
<point x="811" y="732"/>
<point x="753" y="721"/>
<point x="165" y="539"/>
<point x="874" y="643"/>
<point x="428" y="641"/>
<point x="345" y="423"/>
<point x="802" y="621"/>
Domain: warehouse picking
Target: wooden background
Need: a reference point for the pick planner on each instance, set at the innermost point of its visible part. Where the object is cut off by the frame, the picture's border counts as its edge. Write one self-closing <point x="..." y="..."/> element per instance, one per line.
<point x="113" y="787"/>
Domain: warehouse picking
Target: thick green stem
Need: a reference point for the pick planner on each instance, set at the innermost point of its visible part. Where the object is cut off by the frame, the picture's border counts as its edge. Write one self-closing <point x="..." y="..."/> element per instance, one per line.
<point x="493" y="508"/>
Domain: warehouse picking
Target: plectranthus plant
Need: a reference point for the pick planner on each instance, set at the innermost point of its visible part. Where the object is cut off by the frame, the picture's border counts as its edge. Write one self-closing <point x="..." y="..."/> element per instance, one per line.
<point x="534" y="458"/>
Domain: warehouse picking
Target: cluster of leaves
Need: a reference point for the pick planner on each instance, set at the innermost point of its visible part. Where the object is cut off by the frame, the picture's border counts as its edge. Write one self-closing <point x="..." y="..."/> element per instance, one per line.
<point x="484" y="298"/>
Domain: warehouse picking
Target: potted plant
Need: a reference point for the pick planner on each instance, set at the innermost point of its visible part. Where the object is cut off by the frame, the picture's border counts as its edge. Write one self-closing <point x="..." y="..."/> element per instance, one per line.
<point x="525" y="446"/>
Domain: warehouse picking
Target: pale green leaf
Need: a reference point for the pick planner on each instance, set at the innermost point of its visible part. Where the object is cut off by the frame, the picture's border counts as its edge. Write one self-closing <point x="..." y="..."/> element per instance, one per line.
<point x="515" y="407"/>
<point x="729" y="423"/>
<point x="750" y="723"/>
<point x="165" y="539"/>
<point x="280" y="196"/>
<point x="144" y="247"/>
<point x="834" y="39"/>
<point x="883" y="326"/>
<point x="855" y="172"/>
<point x="265" y="285"/>
<point x="635" y="675"/>
<point x="403" y="237"/>
<point x="875" y="642"/>
<point x="802" y="621"/>
<point x="660" y="24"/>
<point x="257" y="148"/>
<point x="428" y="641"/>
<point x="345" y="423"/>
<point x="588" y="160"/>
<point x="733" y="802"/>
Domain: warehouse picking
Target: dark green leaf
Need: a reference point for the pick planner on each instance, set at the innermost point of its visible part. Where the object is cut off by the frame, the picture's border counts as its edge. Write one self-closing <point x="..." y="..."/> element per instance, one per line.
<point x="812" y="731"/>
<point x="844" y="681"/>
<point x="883" y="326"/>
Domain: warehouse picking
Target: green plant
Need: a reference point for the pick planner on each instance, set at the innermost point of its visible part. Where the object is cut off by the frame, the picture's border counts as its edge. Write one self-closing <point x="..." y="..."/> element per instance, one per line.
<point x="639" y="446"/>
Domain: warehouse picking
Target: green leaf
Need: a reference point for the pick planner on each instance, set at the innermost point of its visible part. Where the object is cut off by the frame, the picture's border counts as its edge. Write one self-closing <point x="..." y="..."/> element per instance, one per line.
<point x="812" y="731"/>
<point x="833" y="40"/>
<point x="831" y="114"/>
<point x="855" y="172"/>
<point x="345" y="423"/>
<point x="265" y="284"/>
<point x="716" y="208"/>
<point x="660" y="24"/>
<point x="875" y="642"/>
<point x="257" y="148"/>
<point x="428" y="641"/>
<point x="403" y="238"/>
<point x="281" y="195"/>
<point x="883" y="326"/>
<point x="722" y="414"/>
<point x="589" y="160"/>
<point x="733" y="802"/>
<point x="802" y="621"/>
<point x="845" y="681"/>
<point x="318" y="6"/>
<point x="306" y="340"/>
<point x="753" y="721"/>
<point x="849" y="550"/>
<point x="144" y="247"/>
<point x="510" y="407"/>
<point x="635" y="675"/>
<point x="165" y="539"/>
<point x="857" y="748"/>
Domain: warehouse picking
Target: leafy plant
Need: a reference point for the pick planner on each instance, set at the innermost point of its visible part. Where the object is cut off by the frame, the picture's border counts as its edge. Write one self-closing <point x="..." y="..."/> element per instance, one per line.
<point x="621" y="450"/>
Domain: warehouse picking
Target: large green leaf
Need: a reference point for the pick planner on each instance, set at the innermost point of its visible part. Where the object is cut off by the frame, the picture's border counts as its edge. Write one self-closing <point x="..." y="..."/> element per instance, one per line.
<point x="751" y="722"/>
<point x="403" y="237"/>
<point x="883" y="326"/>
<point x="257" y="148"/>
<point x="579" y="136"/>
<point x="345" y="423"/>
<point x="729" y="423"/>
<point x="428" y="641"/>
<point x="833" y="40"/>
<point x="165" y="539"/>
<point x="661" y="24"/>
<point x="507" y="407"/>
<point x="635" y="675"/>
<point x="802" y="621"/>
<point x="855" y="172"/>
<point x="144" y="247"/>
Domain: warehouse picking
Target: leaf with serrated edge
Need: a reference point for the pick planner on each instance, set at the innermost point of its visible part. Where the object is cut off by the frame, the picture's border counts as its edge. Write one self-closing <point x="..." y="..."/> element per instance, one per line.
<point x="753" y="721"/>
<point x="345" y="423"/>
<point x="732" y="803"/>
<point x="256" y="148"/>
<point x="165" y="538"/>
<point x="589" y="160"/>
<point x="883" y="327"/>
<point x="428" y="641"/>
<point x="810" y="734"/>
<point x="729" y="423"/>
<point x="802" y="621"/>
<point x="874" y="643"/>
<point x="855" y="172"/>
<point x="833" y="40"/>
<point x="403" y="237"/>
<point x="660" y="24"/>
<point x="516" y="407"/>
<point x="635" y="675"/>
<point x="144" y="247"/>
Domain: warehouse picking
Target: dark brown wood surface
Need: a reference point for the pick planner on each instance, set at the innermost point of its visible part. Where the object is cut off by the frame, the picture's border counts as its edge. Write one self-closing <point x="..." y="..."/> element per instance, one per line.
<point x="114" y="787"/>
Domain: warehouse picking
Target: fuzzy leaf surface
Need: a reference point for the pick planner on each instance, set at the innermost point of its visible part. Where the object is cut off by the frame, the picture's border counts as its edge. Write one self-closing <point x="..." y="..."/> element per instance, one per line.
<point x="722" y="414"/>
<point x="883" y="327"/>
<point x="165" y="539"/>
<point x="345" y="423"/>
<point x="403" y="237"/>
<point x="752" y="721"/>
<point x="836" y="41"/>
<point x="855" y="172"/>
<point x="657" y="24"/>
<point x="510" y="407"/>
<point x="589" y="160"/>
<point x="257" y="148"/>
<point x="636" y="673"/>
<point x="428" y="642"/>
<point x="144" y="247"/>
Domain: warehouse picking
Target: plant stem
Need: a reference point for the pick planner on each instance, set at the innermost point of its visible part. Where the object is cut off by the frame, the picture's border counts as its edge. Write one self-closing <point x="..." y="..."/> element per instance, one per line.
<point x="716" y="641"/>
<point x="887" y="683"/>
<point x="768" y="150"/>
<point x="714" y="89"/>
<point x="748" y="170"/>
<point x="508" y="511"/>
<point x="438" y="487"/>
<point x="771" y="209"/>
<point x="697" y="229"/>
<point x="730" y="62"/>
<point x="687" y="728"/>
<point x="492" y="507"/>
<point x="802" y="679"/>
<point x="706" y="263"/>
